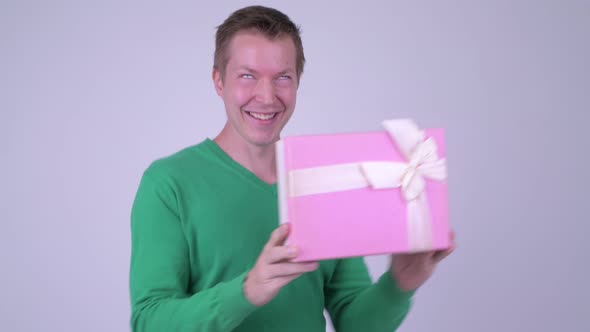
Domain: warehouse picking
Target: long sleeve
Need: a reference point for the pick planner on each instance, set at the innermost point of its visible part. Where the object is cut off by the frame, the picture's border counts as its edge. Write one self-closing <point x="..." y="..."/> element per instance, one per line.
<point x="355" y="304"/>
<point x="160" y="271"/>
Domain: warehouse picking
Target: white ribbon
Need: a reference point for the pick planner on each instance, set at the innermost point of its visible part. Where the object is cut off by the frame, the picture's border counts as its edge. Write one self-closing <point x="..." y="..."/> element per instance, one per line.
<point x="422" y="162"/>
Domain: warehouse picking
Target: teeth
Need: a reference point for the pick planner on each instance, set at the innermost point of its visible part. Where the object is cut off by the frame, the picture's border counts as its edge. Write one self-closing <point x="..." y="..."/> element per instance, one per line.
<point x="261" y="116"/>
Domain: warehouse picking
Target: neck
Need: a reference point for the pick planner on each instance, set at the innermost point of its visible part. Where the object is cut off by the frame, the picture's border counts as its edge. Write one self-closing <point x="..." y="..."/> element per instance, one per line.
<point x="259" y="160"/>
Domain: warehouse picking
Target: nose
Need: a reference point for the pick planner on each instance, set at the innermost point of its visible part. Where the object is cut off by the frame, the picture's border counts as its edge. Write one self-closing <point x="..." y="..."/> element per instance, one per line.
<point x="265" y="93"/>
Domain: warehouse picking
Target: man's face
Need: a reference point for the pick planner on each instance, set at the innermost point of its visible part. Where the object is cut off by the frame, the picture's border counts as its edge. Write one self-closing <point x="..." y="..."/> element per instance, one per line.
<point x="259" y="89"/>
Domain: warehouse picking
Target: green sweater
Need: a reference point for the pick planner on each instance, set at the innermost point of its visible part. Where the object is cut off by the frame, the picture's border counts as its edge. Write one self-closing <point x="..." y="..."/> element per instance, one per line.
<point x="199" y="222"/>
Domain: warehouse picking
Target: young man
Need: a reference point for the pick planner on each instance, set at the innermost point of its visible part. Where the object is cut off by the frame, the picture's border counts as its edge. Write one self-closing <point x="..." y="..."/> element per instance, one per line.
<point x="206" y="251"/>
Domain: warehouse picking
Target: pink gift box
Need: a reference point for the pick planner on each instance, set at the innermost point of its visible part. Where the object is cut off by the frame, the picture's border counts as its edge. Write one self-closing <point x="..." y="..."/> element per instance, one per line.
<point x="360" y="221"/>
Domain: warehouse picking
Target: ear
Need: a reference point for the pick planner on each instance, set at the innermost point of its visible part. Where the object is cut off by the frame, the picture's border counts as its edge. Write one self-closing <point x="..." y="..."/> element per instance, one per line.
<point x="217" y="82"/>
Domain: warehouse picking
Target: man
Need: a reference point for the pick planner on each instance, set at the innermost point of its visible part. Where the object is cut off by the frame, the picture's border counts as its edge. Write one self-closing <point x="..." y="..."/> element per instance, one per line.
<point x="206" y="251"/>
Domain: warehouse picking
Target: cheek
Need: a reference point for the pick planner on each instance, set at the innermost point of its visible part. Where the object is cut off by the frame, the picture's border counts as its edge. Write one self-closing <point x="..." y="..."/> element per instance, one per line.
<point x="288" y="96"/>
<point x="240" y="94"/>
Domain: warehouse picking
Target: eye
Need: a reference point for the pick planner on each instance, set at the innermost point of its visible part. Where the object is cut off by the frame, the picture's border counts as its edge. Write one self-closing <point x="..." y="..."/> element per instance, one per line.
<point x="247" y="76"/>
<point x="284" y="77"/>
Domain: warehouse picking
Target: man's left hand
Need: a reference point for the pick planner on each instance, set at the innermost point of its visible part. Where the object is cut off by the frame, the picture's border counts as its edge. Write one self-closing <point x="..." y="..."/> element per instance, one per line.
<point x="412" y="270"/>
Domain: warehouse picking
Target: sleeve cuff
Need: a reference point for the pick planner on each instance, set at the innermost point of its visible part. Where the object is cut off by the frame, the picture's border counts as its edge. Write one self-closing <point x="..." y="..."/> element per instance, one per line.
<point x="235" y="304"/>
<point x="391" y="290"/>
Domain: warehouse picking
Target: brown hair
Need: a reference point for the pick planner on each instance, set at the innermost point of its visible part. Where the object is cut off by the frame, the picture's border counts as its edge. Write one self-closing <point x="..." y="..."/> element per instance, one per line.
<point x="268" y="21"/>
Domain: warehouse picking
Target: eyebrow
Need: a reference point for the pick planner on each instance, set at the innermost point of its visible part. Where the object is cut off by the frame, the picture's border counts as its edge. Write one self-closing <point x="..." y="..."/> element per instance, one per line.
<point x="283" y="72"/>
<point x="286" y="71"/>
<point x="248" y="69"/>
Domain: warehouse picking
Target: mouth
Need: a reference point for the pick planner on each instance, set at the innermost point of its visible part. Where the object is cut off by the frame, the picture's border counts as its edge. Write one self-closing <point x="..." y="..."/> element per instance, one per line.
<point x="263" y="117"/>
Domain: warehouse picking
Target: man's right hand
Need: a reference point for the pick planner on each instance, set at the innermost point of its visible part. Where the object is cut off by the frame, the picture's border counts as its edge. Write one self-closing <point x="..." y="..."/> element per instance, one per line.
<point x="273" y="270"/>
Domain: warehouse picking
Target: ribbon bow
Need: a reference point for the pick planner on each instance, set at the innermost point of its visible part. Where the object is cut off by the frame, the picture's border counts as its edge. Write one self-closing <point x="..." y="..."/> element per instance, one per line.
<point x="422" y="162"/>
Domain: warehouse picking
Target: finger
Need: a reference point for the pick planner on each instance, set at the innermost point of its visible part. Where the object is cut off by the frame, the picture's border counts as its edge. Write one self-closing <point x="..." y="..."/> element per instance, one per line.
<point x="422" y="259"/>
<point x="426" y="259"/>
<point x="279" y="253"/>
<point x="440" y="255"/>
<point x="278" y="236"/>
<point x="414" y="258"/>
<point x="282" y="281"/>
<point x="286" y="269"/>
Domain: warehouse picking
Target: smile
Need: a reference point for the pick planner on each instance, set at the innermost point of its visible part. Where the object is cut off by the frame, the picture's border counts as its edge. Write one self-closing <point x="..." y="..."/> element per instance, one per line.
<point x="262" y="116"/>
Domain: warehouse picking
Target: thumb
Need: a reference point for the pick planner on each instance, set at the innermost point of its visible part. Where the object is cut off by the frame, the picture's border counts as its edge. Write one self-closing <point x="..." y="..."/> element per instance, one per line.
<point x="279" y="235"/>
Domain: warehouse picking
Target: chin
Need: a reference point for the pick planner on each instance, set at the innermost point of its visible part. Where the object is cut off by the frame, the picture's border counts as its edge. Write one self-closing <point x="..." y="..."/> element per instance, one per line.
<point x="263" y="142"/>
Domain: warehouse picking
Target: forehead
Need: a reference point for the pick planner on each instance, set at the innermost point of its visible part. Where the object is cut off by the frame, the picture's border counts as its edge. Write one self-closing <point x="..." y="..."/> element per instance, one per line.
<point x="254" y="50"/>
